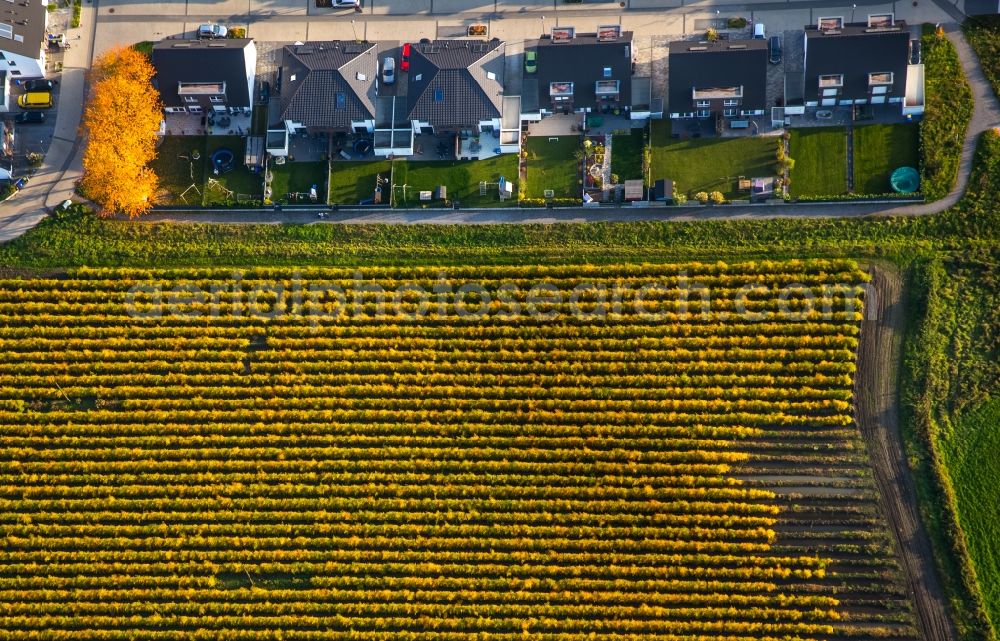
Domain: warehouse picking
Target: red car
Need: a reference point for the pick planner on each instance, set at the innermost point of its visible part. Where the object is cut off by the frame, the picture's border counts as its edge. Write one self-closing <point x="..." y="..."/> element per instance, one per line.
<point x="404" y="62"/>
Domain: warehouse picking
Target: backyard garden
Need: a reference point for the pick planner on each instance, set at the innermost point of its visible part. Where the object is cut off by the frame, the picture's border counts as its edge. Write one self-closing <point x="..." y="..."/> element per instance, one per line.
<point x="820" y="155"/>
<point x="879" y="150"/>
<point x="552" y="164"/>
<point x="464" y="180"/>
<point x="352" y="182"/>
<point x="186" y="167"/>
<point x="709" y="164"/>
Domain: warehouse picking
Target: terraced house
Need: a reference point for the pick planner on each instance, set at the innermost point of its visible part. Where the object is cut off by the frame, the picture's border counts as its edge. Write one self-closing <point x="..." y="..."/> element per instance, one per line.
<point x="711" y="79"/>
<point x="865" y="63"/>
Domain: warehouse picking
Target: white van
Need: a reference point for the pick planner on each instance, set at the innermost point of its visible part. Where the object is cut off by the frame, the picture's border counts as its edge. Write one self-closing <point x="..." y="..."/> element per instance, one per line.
<point x="758" y="31"/>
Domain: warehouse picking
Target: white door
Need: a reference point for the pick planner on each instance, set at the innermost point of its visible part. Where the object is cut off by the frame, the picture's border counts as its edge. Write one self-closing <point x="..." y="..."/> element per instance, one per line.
<point x="878" y="100"/>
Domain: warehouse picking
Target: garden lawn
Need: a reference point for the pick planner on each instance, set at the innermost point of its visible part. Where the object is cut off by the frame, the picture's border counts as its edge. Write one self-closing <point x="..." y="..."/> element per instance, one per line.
<point x="552" y="164"/>
<point x="243" y="183"/>
<point x="820" y="155"/>
<point x="461" y="177"/>
<point x="878" y="150"/>
<point x="354" y="181"/>
<point x="709" y="164"/>
<point x="626" y="155"/>
<point x="177" y="174"/>
<point x="971" y="456"/>
<point x="298" y="177"/>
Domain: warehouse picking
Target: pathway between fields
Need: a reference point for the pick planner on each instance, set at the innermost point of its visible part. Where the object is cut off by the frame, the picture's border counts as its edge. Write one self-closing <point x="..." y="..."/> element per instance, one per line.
<point x="877" y="407"/>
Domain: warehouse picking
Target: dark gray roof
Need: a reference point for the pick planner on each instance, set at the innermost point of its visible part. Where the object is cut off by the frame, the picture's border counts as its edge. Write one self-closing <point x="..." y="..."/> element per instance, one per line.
<point x="456" y="83"/>
<point x="855" y="51"/>
<point x="27" y="23"/>
<point x="725" y="63"/>
<point x="582" y="61"/>
<point x="222" y="60"/>
<point x="321" y="71"/>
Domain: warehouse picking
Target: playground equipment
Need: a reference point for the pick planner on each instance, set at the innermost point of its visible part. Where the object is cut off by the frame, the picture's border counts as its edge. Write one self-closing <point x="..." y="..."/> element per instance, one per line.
<point x="222" y="161"/>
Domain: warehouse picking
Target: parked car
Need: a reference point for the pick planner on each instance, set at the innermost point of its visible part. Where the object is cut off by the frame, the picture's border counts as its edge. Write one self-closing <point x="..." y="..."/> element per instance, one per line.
<point x="758" y="31"/>
<point x="29" y="118"/>
<point x="389" y="70"/>
<point x="38" y="85"/>
<point x="212" y="31"/>
<point x="774" y="50"/>
<point x="530" y="61"/>
<point x="915" y="52"/>
<point x="35" y="100"/>
<point x="347" y="3"/>
<point x="404" y="60"/>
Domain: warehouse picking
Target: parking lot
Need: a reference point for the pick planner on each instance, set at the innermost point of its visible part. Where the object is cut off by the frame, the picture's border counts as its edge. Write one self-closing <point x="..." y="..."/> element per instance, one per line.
<point x="31" y="138"/>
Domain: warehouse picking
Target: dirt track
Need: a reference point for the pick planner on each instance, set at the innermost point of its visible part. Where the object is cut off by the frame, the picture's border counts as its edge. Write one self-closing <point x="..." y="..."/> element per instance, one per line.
<point x="877" y="402"/>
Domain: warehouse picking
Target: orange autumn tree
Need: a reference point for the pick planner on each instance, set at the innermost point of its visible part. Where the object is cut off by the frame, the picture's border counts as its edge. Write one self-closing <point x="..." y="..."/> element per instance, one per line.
<point x="121" y="123"/>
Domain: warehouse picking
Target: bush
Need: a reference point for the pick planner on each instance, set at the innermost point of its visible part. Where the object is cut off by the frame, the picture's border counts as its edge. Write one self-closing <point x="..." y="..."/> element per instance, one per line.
<point x="946" y="115"/>
<point x="50" y="7"/>
<point x="701" y="197"/>
<point x="736" y="23"/>
<point x="711" y="35"/>
<point x="717" y="198"/>
<point x="840" y="197"/>
<point x="983" y="33"/>
<point x="236" y="32"/>
<point x="77" y="10"/>
<point x="556" y="202"/>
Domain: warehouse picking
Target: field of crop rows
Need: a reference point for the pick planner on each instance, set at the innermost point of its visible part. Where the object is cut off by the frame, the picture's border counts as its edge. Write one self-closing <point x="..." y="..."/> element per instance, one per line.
<point x="289" y="465"/>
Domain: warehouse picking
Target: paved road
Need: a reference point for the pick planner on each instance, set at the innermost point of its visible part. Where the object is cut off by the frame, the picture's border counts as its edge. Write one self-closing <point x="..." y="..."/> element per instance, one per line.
<point x="561" y="11"/>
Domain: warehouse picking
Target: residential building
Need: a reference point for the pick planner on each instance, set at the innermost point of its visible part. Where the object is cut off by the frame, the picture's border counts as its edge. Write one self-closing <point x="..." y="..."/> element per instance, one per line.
<point x="4" y="91"/>
<point x="857" y="63"/>
<point x="329" y="86"/>
<point x="205" y="76"/>
<point x="585" y="72"/>
<point x="22" y="38"/>
<point x="456" y="86"/>
<point x="726" y="78"/>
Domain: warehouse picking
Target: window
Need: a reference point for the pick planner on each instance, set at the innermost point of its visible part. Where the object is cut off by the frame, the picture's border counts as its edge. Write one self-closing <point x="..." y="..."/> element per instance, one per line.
<point x="12" y="63"/>
<point x="439" y="95"/>
<point x="15" y="72"/>
<point x="703" y="103"/>
<point x="491" y="75"/>
<point x="6" y="30"/>
<point x="703" y="113"/>
<point x="881" y="89"/>
<point x="291" y="78"/>
<point x="195" y="109"/>
<point x="340" y="100"/>
<point x="880" y="78"/>
<point x="606" y="88"/>
<point x="829" y="92"/>
<point x="728" y="112"/>
<point x="361" y="76"/>
<point x="175" y="110"/>
<point x="832" y="80"/>
<point x="217" y="98"/>
<point x="730" y="103"/>
<point x="607" y="72"/>
<point x="190" y="99"/>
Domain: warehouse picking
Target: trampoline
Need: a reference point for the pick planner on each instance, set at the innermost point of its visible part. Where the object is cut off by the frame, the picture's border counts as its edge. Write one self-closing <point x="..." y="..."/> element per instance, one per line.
<point x="905" y="180"/>
<point x="222" y="161"/>
<point x="362" y="146"/>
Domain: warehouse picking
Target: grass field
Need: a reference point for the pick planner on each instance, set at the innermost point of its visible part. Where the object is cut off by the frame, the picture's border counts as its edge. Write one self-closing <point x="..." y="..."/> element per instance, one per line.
<point x="626" y="155"/>
<point x="971" y="456"/>
<point x="878" y="150"/>
<point x="553" y="165"/>
<point x="299" y="177"/>
<point x="178" y="174"/>
<point x="462" y="179"/>
<point x="820" y="155"/>
<point x="323" y="468"/>
<point x="709" y="164"/>
<point x="352" y="182"/>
